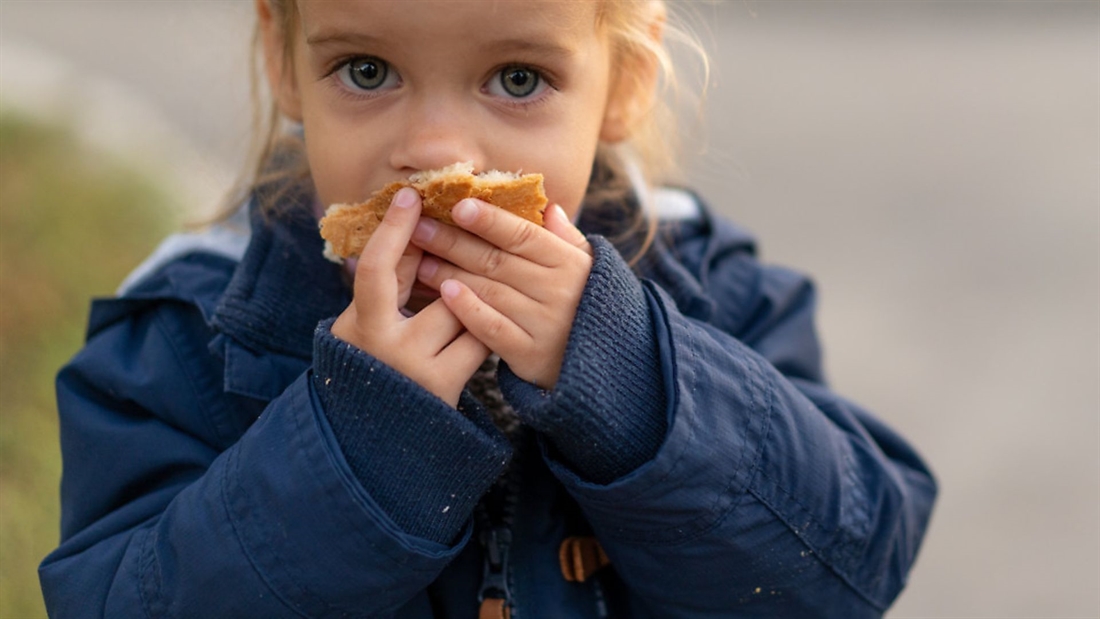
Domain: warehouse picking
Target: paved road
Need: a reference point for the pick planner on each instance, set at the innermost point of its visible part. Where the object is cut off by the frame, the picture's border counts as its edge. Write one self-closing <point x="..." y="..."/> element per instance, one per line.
<point x="935" y="165"/>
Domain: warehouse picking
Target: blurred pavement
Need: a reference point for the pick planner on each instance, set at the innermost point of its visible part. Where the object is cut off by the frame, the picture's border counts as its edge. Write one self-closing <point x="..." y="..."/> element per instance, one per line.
<point x="934" y="165"/>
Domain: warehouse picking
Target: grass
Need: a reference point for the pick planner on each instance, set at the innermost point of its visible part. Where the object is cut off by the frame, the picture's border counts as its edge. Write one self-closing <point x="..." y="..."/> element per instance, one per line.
<point x="73" y="222"/>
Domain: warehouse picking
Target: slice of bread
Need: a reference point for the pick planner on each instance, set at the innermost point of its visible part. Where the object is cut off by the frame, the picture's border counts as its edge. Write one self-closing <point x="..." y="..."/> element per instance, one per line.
<point x="346" y="227"/>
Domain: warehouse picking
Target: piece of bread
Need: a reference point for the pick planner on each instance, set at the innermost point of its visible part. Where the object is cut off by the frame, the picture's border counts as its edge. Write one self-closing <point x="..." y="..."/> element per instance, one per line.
<point x="346" y="227"/>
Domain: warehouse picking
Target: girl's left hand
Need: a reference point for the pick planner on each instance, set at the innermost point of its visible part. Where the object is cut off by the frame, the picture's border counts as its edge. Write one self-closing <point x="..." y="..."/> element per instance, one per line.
<point x="513" y="285"/>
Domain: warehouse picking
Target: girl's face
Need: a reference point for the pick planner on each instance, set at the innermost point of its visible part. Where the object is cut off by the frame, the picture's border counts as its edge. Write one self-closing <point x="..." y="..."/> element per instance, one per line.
<point x="385" y="88"/>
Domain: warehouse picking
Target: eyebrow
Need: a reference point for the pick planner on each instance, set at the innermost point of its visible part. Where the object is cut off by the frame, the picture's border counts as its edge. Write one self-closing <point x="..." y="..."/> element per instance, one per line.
<point x="541" y="48"/>
<point x="331" y="37"/>
<point x="516" y="45"/>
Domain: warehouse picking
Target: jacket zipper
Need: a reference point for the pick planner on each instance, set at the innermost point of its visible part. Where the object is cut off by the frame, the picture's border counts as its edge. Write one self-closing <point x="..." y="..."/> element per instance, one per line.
<point x="495" y="534"/>
<point x="495" y="572"/>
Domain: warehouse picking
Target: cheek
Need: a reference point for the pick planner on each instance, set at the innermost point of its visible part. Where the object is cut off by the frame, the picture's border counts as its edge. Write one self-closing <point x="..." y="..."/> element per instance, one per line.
<point x="336" y="160"/>
<point x="567" y="183"/>
<point x="569" y="167"/>
<point x="579" y="139"/>
<point x="323" y="166"/>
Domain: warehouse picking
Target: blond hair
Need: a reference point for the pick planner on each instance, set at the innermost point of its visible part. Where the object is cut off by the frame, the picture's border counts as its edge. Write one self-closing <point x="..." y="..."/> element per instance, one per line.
<point x="638" y="29"/>
<point x="640" y="32"/>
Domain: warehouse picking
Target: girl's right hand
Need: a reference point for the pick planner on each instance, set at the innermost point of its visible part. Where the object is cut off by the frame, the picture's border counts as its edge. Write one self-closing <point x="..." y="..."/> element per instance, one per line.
<point x="431" y="347"/>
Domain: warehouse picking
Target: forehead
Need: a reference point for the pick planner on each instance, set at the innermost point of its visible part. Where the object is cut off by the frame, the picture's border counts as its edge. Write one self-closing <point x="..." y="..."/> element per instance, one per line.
<point x="452" y="22"/>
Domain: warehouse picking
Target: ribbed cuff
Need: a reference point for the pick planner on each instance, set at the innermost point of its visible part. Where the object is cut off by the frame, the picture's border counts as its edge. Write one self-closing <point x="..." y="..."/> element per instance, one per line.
<point x="424" y="463"/>
<point x="607" y="415"/>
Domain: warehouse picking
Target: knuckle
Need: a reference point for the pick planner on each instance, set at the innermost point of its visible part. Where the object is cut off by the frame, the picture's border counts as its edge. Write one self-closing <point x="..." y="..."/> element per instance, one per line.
<point x="522" y="236"/>
<point x="493" y="260"/>
<point x="491" y="294"/>
<point x="368" y="270"/>
<point x="494" y="328"/>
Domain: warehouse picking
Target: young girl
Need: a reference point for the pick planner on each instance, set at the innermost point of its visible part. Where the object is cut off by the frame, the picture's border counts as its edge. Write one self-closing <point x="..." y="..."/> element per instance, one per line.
<point x="595" y="418"/>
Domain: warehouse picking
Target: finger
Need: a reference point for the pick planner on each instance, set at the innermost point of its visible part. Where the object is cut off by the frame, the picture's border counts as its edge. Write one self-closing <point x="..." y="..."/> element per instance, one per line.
<point x="455" y="349"/>
<point x="375" y="281"/>
<point x="507" y="231"/>
<point x="501" y="297"/>
<point x="493" y="328"/>
<point x="556" y="221"/>
<point x="436" y="327"/>
<point x="465" y="354"/>
<point x="472" y="253"/>
<point x="406" y="270"/>
<point x="387" y="244"/>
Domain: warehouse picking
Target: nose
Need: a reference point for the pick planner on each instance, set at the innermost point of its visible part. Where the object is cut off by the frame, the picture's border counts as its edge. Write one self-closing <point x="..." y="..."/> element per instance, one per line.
<point x="437" y="131"/>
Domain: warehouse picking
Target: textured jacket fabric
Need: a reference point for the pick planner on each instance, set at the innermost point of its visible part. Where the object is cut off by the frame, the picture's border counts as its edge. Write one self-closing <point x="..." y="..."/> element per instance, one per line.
<point x="226" y="456"/>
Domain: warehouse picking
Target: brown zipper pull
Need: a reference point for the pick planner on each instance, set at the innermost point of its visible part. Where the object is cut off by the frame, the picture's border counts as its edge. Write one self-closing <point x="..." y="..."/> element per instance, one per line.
<point x="493" y="608"/>
<point x="580" y="557"/>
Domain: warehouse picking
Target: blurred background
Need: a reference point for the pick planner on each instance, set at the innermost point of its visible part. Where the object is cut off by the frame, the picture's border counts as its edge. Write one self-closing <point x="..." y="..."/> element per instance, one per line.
<point x="934" y="165"/>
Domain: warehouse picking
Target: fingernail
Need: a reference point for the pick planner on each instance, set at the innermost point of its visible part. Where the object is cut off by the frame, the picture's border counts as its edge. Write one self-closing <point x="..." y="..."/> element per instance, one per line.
<point x="428" y="267"/>
<point x="405" y="198"/>
<point x="424" y="230"/>
<point x="561" y="212"/>
<point x="464" y="211"/>
<point x="449" y="289"/>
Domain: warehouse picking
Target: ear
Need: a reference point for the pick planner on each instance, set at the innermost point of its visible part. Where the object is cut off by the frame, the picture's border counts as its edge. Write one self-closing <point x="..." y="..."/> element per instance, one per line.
<point x="278" y="64"/>
<point x="634" y="84"/>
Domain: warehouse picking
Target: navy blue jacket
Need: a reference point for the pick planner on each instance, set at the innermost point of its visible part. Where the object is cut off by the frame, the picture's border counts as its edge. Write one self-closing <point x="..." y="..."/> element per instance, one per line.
<point x="226" y="456"/>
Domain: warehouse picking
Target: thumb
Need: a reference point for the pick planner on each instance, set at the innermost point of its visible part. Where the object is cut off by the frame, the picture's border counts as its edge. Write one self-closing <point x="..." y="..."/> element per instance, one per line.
<point x="386" y="268"/>
<point x="556" y="221"/>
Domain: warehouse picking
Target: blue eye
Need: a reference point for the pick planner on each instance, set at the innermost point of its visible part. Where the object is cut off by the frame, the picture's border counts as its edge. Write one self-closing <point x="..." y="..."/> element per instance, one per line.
<point x="366" y="73"/>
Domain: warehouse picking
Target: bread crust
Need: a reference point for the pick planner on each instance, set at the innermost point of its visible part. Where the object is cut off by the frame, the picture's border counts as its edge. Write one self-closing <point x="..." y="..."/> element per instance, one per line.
<point x="347" y="227"/>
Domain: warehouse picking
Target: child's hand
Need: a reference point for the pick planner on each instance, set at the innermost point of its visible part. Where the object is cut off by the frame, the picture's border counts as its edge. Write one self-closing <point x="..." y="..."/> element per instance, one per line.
<point x="431" y="347"/>
<point x="514" y="285"/>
